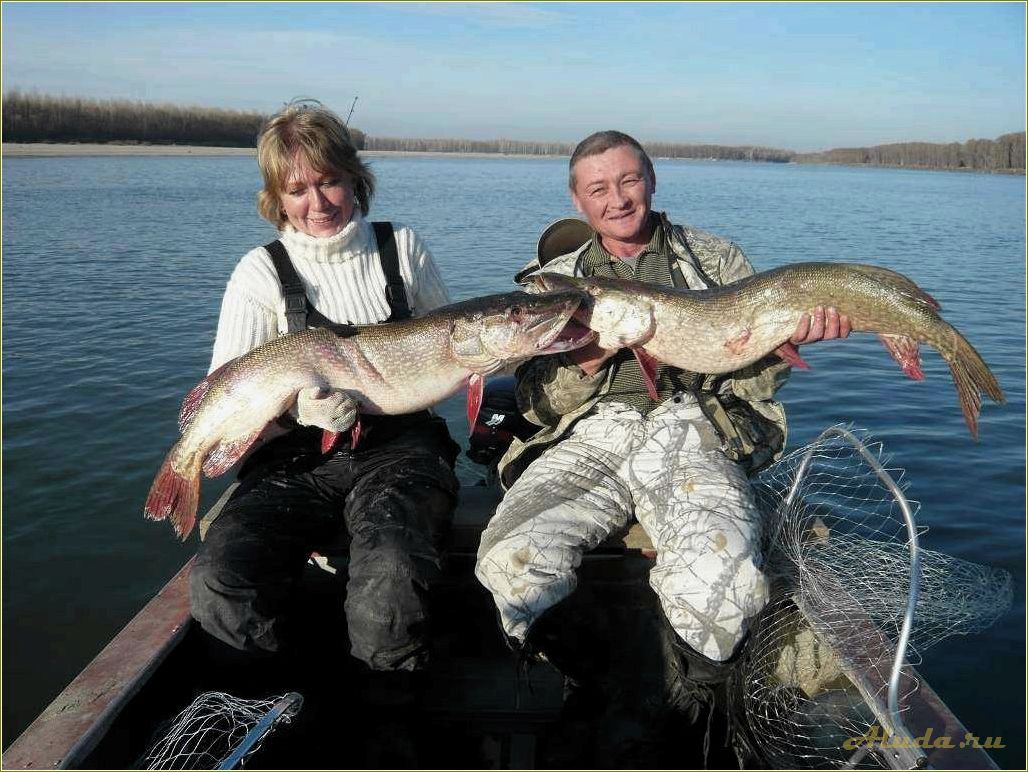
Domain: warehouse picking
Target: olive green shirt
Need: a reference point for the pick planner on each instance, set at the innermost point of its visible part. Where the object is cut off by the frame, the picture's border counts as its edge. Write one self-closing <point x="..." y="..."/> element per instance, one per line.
<point x="652" y="265"/>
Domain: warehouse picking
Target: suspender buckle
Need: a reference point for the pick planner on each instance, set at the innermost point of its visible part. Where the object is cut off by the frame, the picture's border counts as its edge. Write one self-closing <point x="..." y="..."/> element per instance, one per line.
<point x="296" y="304"/>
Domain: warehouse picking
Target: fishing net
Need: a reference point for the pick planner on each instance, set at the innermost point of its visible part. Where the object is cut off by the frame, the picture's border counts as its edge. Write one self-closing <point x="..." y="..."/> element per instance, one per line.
<point x="219" y="731"/>
<point x="839" y="557"/>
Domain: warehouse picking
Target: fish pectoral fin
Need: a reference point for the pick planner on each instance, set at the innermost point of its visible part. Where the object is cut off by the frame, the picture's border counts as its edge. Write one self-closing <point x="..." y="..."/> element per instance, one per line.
<point x="476" y="390"/>
<point x="226" y="453"/>
<point x="649" y="366"/>
<point x="789" y="353"/>
<point x="905" y="351"/>
<point x="328" y="440"/>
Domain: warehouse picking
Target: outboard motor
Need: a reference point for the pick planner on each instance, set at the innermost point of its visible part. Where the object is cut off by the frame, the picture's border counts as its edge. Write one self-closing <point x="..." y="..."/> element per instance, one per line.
<point x="499" y="422"/>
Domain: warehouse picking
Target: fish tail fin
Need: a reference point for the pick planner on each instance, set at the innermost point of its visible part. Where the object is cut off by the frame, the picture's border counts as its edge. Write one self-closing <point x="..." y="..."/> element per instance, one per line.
<point x="972" y="377"/>
<point x="174" y="496"/>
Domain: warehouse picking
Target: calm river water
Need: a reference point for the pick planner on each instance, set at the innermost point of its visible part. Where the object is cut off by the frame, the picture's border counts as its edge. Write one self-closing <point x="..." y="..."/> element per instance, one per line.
<point x="113" y="270"/>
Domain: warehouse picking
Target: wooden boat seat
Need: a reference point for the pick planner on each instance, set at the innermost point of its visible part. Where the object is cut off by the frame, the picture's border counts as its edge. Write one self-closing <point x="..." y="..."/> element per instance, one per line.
<point x="477" y="504"/>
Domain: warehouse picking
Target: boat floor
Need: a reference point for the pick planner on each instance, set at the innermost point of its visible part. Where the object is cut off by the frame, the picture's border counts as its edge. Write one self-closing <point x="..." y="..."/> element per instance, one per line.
<point x="477" y="710"/>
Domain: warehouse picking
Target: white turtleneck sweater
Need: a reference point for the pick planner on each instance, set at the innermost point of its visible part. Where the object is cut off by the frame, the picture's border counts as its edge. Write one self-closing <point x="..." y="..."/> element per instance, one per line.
<point x="342" y="275"/>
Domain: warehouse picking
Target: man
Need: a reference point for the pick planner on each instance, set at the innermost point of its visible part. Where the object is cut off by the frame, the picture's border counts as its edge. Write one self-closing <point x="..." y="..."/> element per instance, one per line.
<point x="607" y="452"/>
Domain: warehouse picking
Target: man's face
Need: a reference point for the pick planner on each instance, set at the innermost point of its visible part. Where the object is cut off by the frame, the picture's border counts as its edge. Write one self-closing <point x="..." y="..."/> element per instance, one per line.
<point x="613" y="191"/>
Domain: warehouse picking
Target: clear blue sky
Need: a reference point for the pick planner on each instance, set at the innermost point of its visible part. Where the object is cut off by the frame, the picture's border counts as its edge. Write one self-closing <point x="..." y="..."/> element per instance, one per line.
<point x="802" y="76"/>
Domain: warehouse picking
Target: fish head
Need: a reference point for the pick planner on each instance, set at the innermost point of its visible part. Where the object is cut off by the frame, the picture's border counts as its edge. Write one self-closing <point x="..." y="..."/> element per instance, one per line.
<point x="620" y="312"/>
<point x="489" y="333"/>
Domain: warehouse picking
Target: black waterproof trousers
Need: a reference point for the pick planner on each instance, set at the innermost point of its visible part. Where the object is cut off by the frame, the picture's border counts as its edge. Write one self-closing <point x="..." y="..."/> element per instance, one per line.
<point x="394" y="496"/>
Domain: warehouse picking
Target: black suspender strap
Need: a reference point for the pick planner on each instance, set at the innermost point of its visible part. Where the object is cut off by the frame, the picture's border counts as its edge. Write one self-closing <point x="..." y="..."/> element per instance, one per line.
<point x="395" y="291"/>
<point x="292" y="288"/>
<point x="677" y="277"/>
<point x="299" y="313"/>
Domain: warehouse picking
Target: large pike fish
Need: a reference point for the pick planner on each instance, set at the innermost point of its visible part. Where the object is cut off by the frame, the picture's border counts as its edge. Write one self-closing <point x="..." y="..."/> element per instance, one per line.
<point x="390" y="369"/>
<point x="721" y="329"/>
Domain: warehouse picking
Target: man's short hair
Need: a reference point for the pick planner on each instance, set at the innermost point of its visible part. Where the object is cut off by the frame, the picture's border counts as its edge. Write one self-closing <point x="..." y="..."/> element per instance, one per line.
<point x="601" y="142"/>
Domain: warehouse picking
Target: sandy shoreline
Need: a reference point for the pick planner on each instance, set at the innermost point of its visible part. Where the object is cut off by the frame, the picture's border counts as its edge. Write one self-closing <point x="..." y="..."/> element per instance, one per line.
<point x="72" y="149"/>
<point x="54" y="149"/>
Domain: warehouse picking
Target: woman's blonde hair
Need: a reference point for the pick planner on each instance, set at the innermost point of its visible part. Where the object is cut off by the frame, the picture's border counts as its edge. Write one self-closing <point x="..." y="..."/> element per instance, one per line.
<point x="323" y="143"/>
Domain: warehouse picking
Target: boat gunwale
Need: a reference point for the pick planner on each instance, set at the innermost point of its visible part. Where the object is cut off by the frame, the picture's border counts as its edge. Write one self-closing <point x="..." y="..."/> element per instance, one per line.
<point x="75" y="722"/>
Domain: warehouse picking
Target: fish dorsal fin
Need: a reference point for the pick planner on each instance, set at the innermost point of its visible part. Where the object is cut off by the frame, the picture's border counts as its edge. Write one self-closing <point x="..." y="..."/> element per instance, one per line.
<point x="898" y="282"/>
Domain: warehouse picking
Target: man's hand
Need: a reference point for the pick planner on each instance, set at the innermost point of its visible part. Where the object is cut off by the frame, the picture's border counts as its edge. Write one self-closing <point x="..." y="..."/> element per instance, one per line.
<point x="591" y="357"/>
<point x="824" y="324"/>
<point x="821" y="325"/>
<point x="329" y="409"/>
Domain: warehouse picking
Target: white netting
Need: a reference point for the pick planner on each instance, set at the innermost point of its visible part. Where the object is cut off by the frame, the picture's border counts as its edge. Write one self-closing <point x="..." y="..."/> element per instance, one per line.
<point x="211" y="729"/>
<point x="839" y="557"/>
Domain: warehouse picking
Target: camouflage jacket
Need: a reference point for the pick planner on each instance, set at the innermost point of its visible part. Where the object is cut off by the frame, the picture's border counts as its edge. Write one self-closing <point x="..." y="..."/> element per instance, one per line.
<point x="553" y="392"/>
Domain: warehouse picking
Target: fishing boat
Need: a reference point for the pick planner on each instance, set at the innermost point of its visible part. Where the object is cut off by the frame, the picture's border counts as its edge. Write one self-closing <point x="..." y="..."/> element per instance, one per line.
<point x="481" y="711"/>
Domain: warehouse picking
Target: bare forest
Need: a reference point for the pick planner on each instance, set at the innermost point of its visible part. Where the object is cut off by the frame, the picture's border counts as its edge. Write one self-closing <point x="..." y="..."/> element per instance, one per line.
<point x="42" y="118"/>
<point x="1005" y="153"/>
<point x="35" y="118"/>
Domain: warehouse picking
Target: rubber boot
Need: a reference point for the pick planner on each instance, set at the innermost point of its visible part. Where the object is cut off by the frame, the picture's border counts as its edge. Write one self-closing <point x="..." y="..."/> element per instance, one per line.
<point x="706" y="694"/>
<point x="245" y="674"/>
<point x="393" y="701"/>
<point x="572" y="636"/>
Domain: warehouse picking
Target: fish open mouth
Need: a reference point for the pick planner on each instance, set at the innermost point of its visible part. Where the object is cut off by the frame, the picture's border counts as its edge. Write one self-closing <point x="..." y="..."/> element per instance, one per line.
<point x="571" y="336"/>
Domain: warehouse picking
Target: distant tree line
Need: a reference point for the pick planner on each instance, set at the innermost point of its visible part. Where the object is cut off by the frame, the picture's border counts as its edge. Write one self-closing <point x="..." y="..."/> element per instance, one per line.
<point x="522" y="147"/>
<point x="1005" y="153"/>
<point x="35" y="118"/>
<point x="505" y="146"/>
<point x="41" y="118"/>
<point x="718" y="152"/>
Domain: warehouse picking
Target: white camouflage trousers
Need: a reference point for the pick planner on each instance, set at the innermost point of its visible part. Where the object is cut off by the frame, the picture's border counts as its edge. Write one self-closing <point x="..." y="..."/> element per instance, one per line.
<point x="666" y="469"/>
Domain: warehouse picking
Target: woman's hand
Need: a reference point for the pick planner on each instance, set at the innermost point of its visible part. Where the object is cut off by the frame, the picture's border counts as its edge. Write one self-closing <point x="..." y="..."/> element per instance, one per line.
<point x="330" y="409"/>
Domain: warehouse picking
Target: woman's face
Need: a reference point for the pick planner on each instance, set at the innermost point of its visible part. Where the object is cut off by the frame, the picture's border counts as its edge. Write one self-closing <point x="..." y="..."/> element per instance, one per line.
<point x="317" y="203"/>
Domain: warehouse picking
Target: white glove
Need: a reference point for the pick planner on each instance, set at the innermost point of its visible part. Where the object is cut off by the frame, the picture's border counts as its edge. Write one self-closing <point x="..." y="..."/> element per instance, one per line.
<point x="330" y="409"/>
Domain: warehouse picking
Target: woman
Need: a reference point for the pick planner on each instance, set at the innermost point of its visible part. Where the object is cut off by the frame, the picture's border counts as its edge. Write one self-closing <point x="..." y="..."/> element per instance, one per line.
<point x="394" y="493"/>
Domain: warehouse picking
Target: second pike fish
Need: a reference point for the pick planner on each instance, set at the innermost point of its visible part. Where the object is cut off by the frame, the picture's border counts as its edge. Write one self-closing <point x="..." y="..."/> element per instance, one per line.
<point x="722" y="329"/>
<point x="384" y="369"/>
